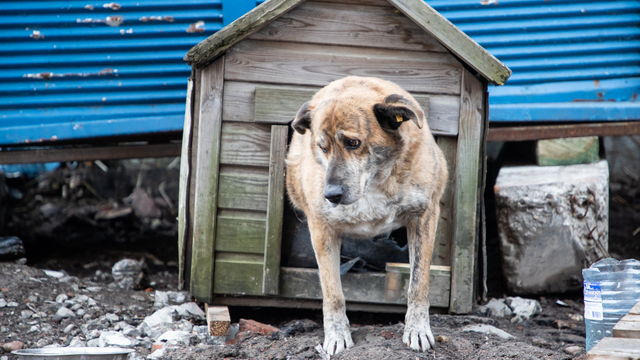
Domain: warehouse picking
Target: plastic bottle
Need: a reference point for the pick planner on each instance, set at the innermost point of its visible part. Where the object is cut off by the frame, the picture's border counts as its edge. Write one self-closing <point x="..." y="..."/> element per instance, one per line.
<point x="611" y="289"/>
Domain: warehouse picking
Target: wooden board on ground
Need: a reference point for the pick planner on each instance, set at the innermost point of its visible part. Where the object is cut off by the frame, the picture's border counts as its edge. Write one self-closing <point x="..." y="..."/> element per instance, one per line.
<point x="615" y="349"/>
<point x="581" y="150"/>
<point x="218" y="320"/>
<point x="628" y="327"/>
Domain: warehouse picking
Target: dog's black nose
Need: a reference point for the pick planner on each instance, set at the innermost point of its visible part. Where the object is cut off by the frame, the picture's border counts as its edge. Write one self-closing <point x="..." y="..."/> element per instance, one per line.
<point x="333" y="193"/>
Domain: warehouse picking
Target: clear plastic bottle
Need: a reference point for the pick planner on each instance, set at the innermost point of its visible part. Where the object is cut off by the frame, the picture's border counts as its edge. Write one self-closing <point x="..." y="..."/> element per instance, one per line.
<point x="611" y="289"/>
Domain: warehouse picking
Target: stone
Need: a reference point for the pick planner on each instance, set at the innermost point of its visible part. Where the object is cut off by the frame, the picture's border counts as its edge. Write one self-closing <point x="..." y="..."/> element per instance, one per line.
<point x="93" y="343"/>
<point x="55" y="274"/>
<point x="176" y="337"/>
<point x="442" y="338"/>
<point x="112" y="318"/>
<point x="256" y="327"/>
<point x="60" y="299"/>
<point x="12" y="304"/>
<point x="559" y="324"/>
<point x="168" y="298"/>
<point x="189" y="311"/>
<point x="129" y="274"/>
<point x="496" y="308"/>
<point x="77" y="342"/>
<point x="545" y="220"/>
<point x="114" y="338"/>
<point x="156" y="355"/>
<point x="523" y="309"/>
<point x="69" y="328"/>
<point x="3" y="303"/>
<point x="63" y="313"/>
<point x="174" y="317"/>
<point x="488" y="329"/>
<point x="573" y="350"/>
<point x="12" y="345"/>
<point x="11" y="248"/>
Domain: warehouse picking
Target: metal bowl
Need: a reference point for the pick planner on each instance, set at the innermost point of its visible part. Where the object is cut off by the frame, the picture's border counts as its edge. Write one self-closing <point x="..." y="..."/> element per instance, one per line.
<point x="74" y="353"/>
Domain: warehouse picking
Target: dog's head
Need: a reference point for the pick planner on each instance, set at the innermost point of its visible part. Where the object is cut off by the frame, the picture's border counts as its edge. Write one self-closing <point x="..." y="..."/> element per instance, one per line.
<point x="355" y="128"/>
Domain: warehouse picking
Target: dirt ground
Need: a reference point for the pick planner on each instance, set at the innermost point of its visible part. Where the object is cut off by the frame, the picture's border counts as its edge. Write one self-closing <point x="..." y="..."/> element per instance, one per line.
<point x="376" y="336"/>
<point x="70" y="237"/>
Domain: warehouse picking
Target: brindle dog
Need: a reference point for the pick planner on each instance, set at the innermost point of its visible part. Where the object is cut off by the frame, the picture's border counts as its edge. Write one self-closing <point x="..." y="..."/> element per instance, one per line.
<point x="356" y="168"/>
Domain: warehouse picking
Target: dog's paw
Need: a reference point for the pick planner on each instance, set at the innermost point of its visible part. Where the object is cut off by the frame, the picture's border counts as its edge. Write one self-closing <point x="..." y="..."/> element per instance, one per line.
<point x="417" y="331"/>
<point x="337" y="336"/>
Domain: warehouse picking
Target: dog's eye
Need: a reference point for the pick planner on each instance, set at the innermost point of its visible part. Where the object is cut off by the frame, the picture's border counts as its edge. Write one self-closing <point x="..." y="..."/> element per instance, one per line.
<point x="352" y="144"/>
<point x="323" y="149"/>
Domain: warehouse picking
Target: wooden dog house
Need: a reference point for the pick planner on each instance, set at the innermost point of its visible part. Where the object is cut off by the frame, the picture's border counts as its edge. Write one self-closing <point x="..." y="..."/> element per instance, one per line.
<point x="248" y="81"/>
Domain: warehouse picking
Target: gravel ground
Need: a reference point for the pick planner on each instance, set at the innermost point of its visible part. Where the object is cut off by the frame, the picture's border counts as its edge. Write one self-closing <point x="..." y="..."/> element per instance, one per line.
<point x="86" y="307"/>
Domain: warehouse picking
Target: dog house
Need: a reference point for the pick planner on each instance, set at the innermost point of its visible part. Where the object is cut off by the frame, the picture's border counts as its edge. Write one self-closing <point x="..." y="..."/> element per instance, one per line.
<point x="248" y="81"/>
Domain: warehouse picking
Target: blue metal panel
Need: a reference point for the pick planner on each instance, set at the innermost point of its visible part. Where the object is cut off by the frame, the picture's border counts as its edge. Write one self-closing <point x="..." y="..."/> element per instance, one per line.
<point x="572" y="60"/>
<point x="81" y="69"/>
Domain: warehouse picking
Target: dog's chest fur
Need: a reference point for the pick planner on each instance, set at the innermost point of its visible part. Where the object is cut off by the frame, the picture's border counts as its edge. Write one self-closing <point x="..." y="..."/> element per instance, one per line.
<point x="375" y="213"/>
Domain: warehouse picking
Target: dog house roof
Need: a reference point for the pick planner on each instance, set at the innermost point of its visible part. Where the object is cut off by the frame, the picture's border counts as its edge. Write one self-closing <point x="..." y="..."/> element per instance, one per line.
<point x="421" y="13"/>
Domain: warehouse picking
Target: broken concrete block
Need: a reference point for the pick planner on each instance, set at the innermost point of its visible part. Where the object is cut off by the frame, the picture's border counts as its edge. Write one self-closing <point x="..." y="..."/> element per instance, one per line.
<point x="496" y="308"/>
<point x="552" y="222"/>
<point x="523" y="309"/>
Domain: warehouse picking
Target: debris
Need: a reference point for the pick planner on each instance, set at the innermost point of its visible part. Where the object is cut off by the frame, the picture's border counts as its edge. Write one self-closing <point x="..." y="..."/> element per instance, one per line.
<point x="442" y="338"/>
<point x="523" y="309"/>
<point x="109" y="214"/>
<point x="176" y="337"/>
<point x="562" y="303"/>
<point x="573" y="350"/>
<point x="49" y="209"/>
<point x="11" y="248"/>
<point x="129" y="274"/>
<point x="256" y="327"/>
<point x="101" y="165"/>
<point x="64" y="313"/>
<point x="89" y="7"/>
<point x="55" y="274"/>
<point x="143" y="205"/>
<point x="114" y="338"/>
<point x="300" y="326"/>
<point x="218" y="320"/>
<point x="36" y="35"/>
<point x="576" y="317"/>
<point x="196" y="27"/>
<point x="559" y="324"/>
<point x="488" y="329"/>
<point x="12" y="346"/>
<point x="496" y="308"/>
<point x="168" y="298"/>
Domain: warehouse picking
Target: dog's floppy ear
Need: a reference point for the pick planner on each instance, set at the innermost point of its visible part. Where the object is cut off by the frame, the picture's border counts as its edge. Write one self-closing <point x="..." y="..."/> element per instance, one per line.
<point x="396" y="110"/>
<point x="302" y="122"/>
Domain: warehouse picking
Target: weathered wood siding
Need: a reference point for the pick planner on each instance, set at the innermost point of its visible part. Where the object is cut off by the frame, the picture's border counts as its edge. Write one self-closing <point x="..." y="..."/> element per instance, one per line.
<point x="267" y="77"/>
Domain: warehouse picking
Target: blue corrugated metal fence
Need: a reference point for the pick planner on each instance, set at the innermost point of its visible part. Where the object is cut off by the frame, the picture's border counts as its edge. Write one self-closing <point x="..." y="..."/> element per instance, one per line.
<point x="571" y="60"/>
<point x="78" y="69"/>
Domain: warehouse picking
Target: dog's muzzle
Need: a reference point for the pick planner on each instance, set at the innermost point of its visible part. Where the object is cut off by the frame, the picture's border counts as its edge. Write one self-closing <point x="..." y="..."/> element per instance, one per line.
<point x="333" y="193"/>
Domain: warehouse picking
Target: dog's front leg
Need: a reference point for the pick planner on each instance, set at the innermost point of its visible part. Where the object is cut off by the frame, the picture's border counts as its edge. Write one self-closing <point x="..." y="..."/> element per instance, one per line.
<point x="326" y="245"/>
<point x="421" y="234"/>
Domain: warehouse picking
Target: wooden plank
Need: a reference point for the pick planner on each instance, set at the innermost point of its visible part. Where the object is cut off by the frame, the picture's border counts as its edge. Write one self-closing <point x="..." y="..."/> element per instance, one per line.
<point x="349" y="25"/>
<point x="526" y="133"/>
<point x="240" y="231"/>
<point x="280" y="302"/>
<point x="215" y="45"/>
<point x="90" y="153"/>
<point x="628" y="327"/>
<point x="218" y="319"/>
<point x="317" y="65"/>
<point x="185" y="283"/>
<point x="635" y="310"/>
<point x="279" y="104"/>
<point x="245" y="144"/>
<point x="389" y="288"/>
<point x="454" y="40"/>
<point x="581" y="150"/>
<point x="615" y="349"/>
<point x="405" y="268"/>
<point x="275" y="209"/>
<point x="239" y="274"/>
<point x="243" y="188"/>
<point x="466" y="194"/>
<point x="206" y="183"/>
<point x="183" y="192"/>
<point x="444" y="230"/>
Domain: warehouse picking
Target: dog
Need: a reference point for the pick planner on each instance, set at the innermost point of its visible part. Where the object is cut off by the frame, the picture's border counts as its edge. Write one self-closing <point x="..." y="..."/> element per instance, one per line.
<point x="362" y="162"/>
